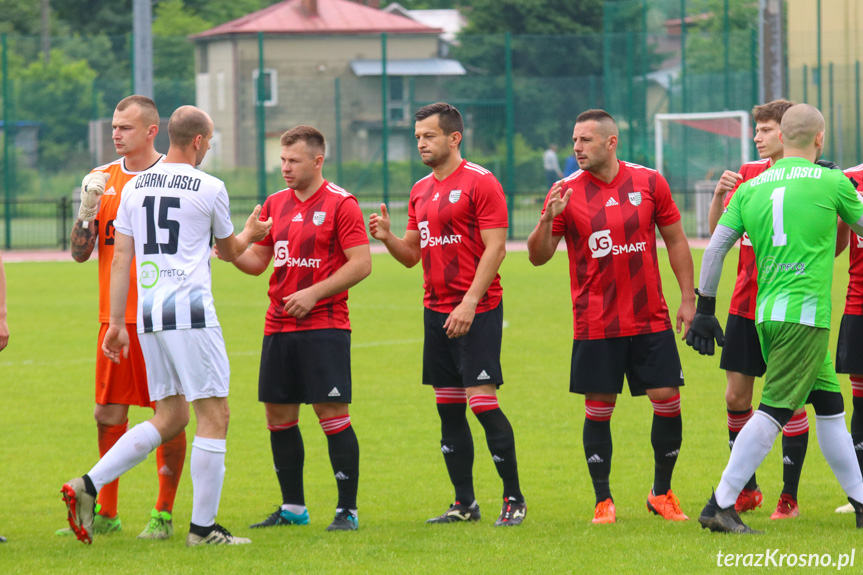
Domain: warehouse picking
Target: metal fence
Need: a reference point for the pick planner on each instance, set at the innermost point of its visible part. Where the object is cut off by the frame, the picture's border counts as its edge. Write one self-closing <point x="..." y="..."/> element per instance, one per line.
<point x="518" y="94"/>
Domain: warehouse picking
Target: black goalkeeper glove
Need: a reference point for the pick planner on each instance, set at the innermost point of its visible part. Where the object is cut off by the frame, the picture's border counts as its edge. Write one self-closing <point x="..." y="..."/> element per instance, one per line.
<point x="827" y="164"/>
<point x="705" y="328"/>
<point x="833" y="166"/>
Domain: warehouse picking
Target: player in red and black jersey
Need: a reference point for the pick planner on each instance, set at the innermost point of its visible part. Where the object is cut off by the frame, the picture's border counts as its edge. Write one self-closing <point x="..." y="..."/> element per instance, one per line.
<point x="457" y="222"/>
<point x="319" y="249"/>
<point x="608" y="212"/>
<point x="741" y="355"/>
<point x="848" y="357"/>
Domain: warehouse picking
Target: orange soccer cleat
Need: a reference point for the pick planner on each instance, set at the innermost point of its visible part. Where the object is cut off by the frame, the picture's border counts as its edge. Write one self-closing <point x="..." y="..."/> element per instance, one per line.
<point x="604" y="512"/>
<point x="667" y="506"/>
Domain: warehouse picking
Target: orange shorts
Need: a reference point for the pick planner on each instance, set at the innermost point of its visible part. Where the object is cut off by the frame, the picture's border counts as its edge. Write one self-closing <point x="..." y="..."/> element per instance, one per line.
<point x="124" y="383"/>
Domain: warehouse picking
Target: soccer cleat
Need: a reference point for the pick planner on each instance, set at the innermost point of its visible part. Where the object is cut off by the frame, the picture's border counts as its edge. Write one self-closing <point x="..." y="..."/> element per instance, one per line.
<point x="159" y="527"/>
<point x="80" y="506"/>
<point x="512" y="513"/>
<point x="344" y="521"/>
<point x="721" y="520"/>
<point x="218" y="536"/>
<point x="457" y="513"/>
<point x="786" y="508"/>
<point x="283" y="517"/>
<point x="604" y="512"/>
<point x="2" y="539"/>
<point x="847" y="508"/>
<point x="748" y="500"/>
<point x="101" y="525"/>
<point x="667" y="506"/>
<point x="858" y="512"/>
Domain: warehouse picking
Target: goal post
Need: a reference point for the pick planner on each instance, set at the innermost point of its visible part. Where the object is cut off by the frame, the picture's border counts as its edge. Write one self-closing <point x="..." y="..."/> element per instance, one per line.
<point x="692" y="150"/>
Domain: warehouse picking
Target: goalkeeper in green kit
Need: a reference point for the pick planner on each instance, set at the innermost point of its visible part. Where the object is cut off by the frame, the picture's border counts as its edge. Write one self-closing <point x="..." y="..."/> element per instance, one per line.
<point x="790" y="213"/>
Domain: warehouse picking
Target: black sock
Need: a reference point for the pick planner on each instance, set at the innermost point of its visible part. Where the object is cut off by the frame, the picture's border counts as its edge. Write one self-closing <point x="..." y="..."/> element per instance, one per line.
<point x="793" y="454"/>
<point x="345" y="459"/>
<point x="288" y="458"/>
<point x="597" y="451"/>
<point x="732" y="437"/>
<point x="501" y="444"/>
<point x="201" y="531"/>
<point x="857" y="429"/>
<point x="456" y="444"/>
<point x="88" y="486"/>
<point x="666" y="435"/>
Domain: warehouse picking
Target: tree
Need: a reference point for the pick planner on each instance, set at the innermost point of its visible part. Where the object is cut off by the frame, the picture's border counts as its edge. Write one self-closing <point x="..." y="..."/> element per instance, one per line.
<point x="59" y="96"/>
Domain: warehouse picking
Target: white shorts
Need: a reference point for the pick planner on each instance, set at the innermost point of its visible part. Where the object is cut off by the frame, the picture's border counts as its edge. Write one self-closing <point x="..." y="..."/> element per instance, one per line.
<point x="189" y="362"/>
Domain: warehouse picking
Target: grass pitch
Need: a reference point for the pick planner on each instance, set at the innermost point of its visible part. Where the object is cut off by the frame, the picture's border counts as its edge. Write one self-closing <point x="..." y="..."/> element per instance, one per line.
<point x="48" y="436"/>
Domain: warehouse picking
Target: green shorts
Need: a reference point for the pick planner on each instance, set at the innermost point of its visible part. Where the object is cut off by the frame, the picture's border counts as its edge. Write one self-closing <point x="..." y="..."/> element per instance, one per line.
<point x="797" y="363"/>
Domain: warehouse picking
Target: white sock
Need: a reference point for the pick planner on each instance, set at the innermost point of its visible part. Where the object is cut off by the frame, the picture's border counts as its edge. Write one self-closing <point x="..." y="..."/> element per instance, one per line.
<point x="130" y="450"/>
<point x="752" y="445"/>
<point x="838" y="449"/>
<point x="208" y="474"/>
<point x="295" y="509"/>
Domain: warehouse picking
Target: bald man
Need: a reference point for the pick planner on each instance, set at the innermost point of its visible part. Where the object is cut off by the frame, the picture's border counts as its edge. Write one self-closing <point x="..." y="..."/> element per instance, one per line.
<point x="790" y="213"/>
<point x="609" y="211"/>
<point x="166" y="218"/>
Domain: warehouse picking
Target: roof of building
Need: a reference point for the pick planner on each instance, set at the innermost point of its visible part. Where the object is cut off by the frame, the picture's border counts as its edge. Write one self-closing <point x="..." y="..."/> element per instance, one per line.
<point x="317" y="17"/>
<point x="451" y="21"/>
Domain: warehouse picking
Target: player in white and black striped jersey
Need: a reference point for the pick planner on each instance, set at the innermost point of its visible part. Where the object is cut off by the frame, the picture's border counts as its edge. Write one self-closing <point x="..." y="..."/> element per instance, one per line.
<point x="166" y="218"/>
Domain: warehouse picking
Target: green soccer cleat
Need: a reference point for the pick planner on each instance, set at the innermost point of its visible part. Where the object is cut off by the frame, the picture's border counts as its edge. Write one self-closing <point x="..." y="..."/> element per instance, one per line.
<point x="101" y="525"/>
<point x="159" y="527"/>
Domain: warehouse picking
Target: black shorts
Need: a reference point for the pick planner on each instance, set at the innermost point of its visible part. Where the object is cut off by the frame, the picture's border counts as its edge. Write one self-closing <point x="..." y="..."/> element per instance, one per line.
<point x="473" y="359"/>
<point x="649" y="361"/>
<point x="742" y="350"/>
<point x="311" y="366"/>
<point x="849" y="358"/>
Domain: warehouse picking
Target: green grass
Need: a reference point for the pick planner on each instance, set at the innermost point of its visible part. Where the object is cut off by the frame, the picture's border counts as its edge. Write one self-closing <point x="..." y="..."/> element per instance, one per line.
<point x="48" y="436"/>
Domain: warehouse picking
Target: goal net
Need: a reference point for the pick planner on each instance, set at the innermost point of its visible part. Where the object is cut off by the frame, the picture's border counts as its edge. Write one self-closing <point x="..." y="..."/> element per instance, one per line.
<point x="692" y="151"/>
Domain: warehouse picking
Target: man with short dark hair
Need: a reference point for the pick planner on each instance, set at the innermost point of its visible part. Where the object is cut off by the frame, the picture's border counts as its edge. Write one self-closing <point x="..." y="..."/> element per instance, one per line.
<point x="609" y="211"/>
<point x="457" y="222"/>
<point x="135" y="124"/>
<point x="319" y="249"/>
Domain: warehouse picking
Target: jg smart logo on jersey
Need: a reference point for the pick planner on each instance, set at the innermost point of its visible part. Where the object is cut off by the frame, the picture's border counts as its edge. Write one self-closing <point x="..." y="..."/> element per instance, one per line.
<point x="601" y="244"/>
<point x="281" y="257"/>
<point x="428" y="240"/>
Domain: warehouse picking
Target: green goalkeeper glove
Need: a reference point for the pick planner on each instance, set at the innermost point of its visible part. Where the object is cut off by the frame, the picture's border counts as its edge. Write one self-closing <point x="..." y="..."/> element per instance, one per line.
<point x="92" y="188"/>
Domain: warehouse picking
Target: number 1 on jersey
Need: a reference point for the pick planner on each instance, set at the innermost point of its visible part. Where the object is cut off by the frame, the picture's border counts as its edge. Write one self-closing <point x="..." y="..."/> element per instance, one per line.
<point x="778" y="198"/>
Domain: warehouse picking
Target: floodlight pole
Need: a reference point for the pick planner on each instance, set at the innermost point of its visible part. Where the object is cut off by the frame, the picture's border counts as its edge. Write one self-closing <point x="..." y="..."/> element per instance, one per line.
<point x="772" y="67"/>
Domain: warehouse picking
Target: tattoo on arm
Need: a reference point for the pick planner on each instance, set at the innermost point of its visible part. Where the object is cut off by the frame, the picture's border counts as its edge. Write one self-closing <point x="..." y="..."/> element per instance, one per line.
<point x="83" y="240"/>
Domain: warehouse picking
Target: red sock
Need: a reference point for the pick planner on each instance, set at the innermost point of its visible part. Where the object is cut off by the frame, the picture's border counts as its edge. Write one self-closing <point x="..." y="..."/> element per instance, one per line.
<point x="333" y="425"/>
<point x="667" y="407"/>
<point x="170" y="457"/>
<point x="482" y="403"/>
<point x="109" y="435"/>
<point x="856" y="386"/>
<point x="798" y="425"/>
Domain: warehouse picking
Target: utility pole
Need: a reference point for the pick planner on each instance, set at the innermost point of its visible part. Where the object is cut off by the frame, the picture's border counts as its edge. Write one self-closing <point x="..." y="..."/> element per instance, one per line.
<point x="772" y="55"/>
<point x="142" y="34"/>
<point x="46" y="29"/>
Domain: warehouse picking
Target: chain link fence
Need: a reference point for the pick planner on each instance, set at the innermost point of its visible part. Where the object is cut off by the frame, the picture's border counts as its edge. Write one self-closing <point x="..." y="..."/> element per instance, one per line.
<point x="518" y="95"/>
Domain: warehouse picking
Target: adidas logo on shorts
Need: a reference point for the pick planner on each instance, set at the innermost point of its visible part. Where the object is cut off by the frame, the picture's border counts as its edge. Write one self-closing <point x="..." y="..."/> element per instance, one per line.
<point x="595" y="458"/>
<point x="483" y="375"/>
<point x="611" y="202"/>
<point x="334" y="393"/>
